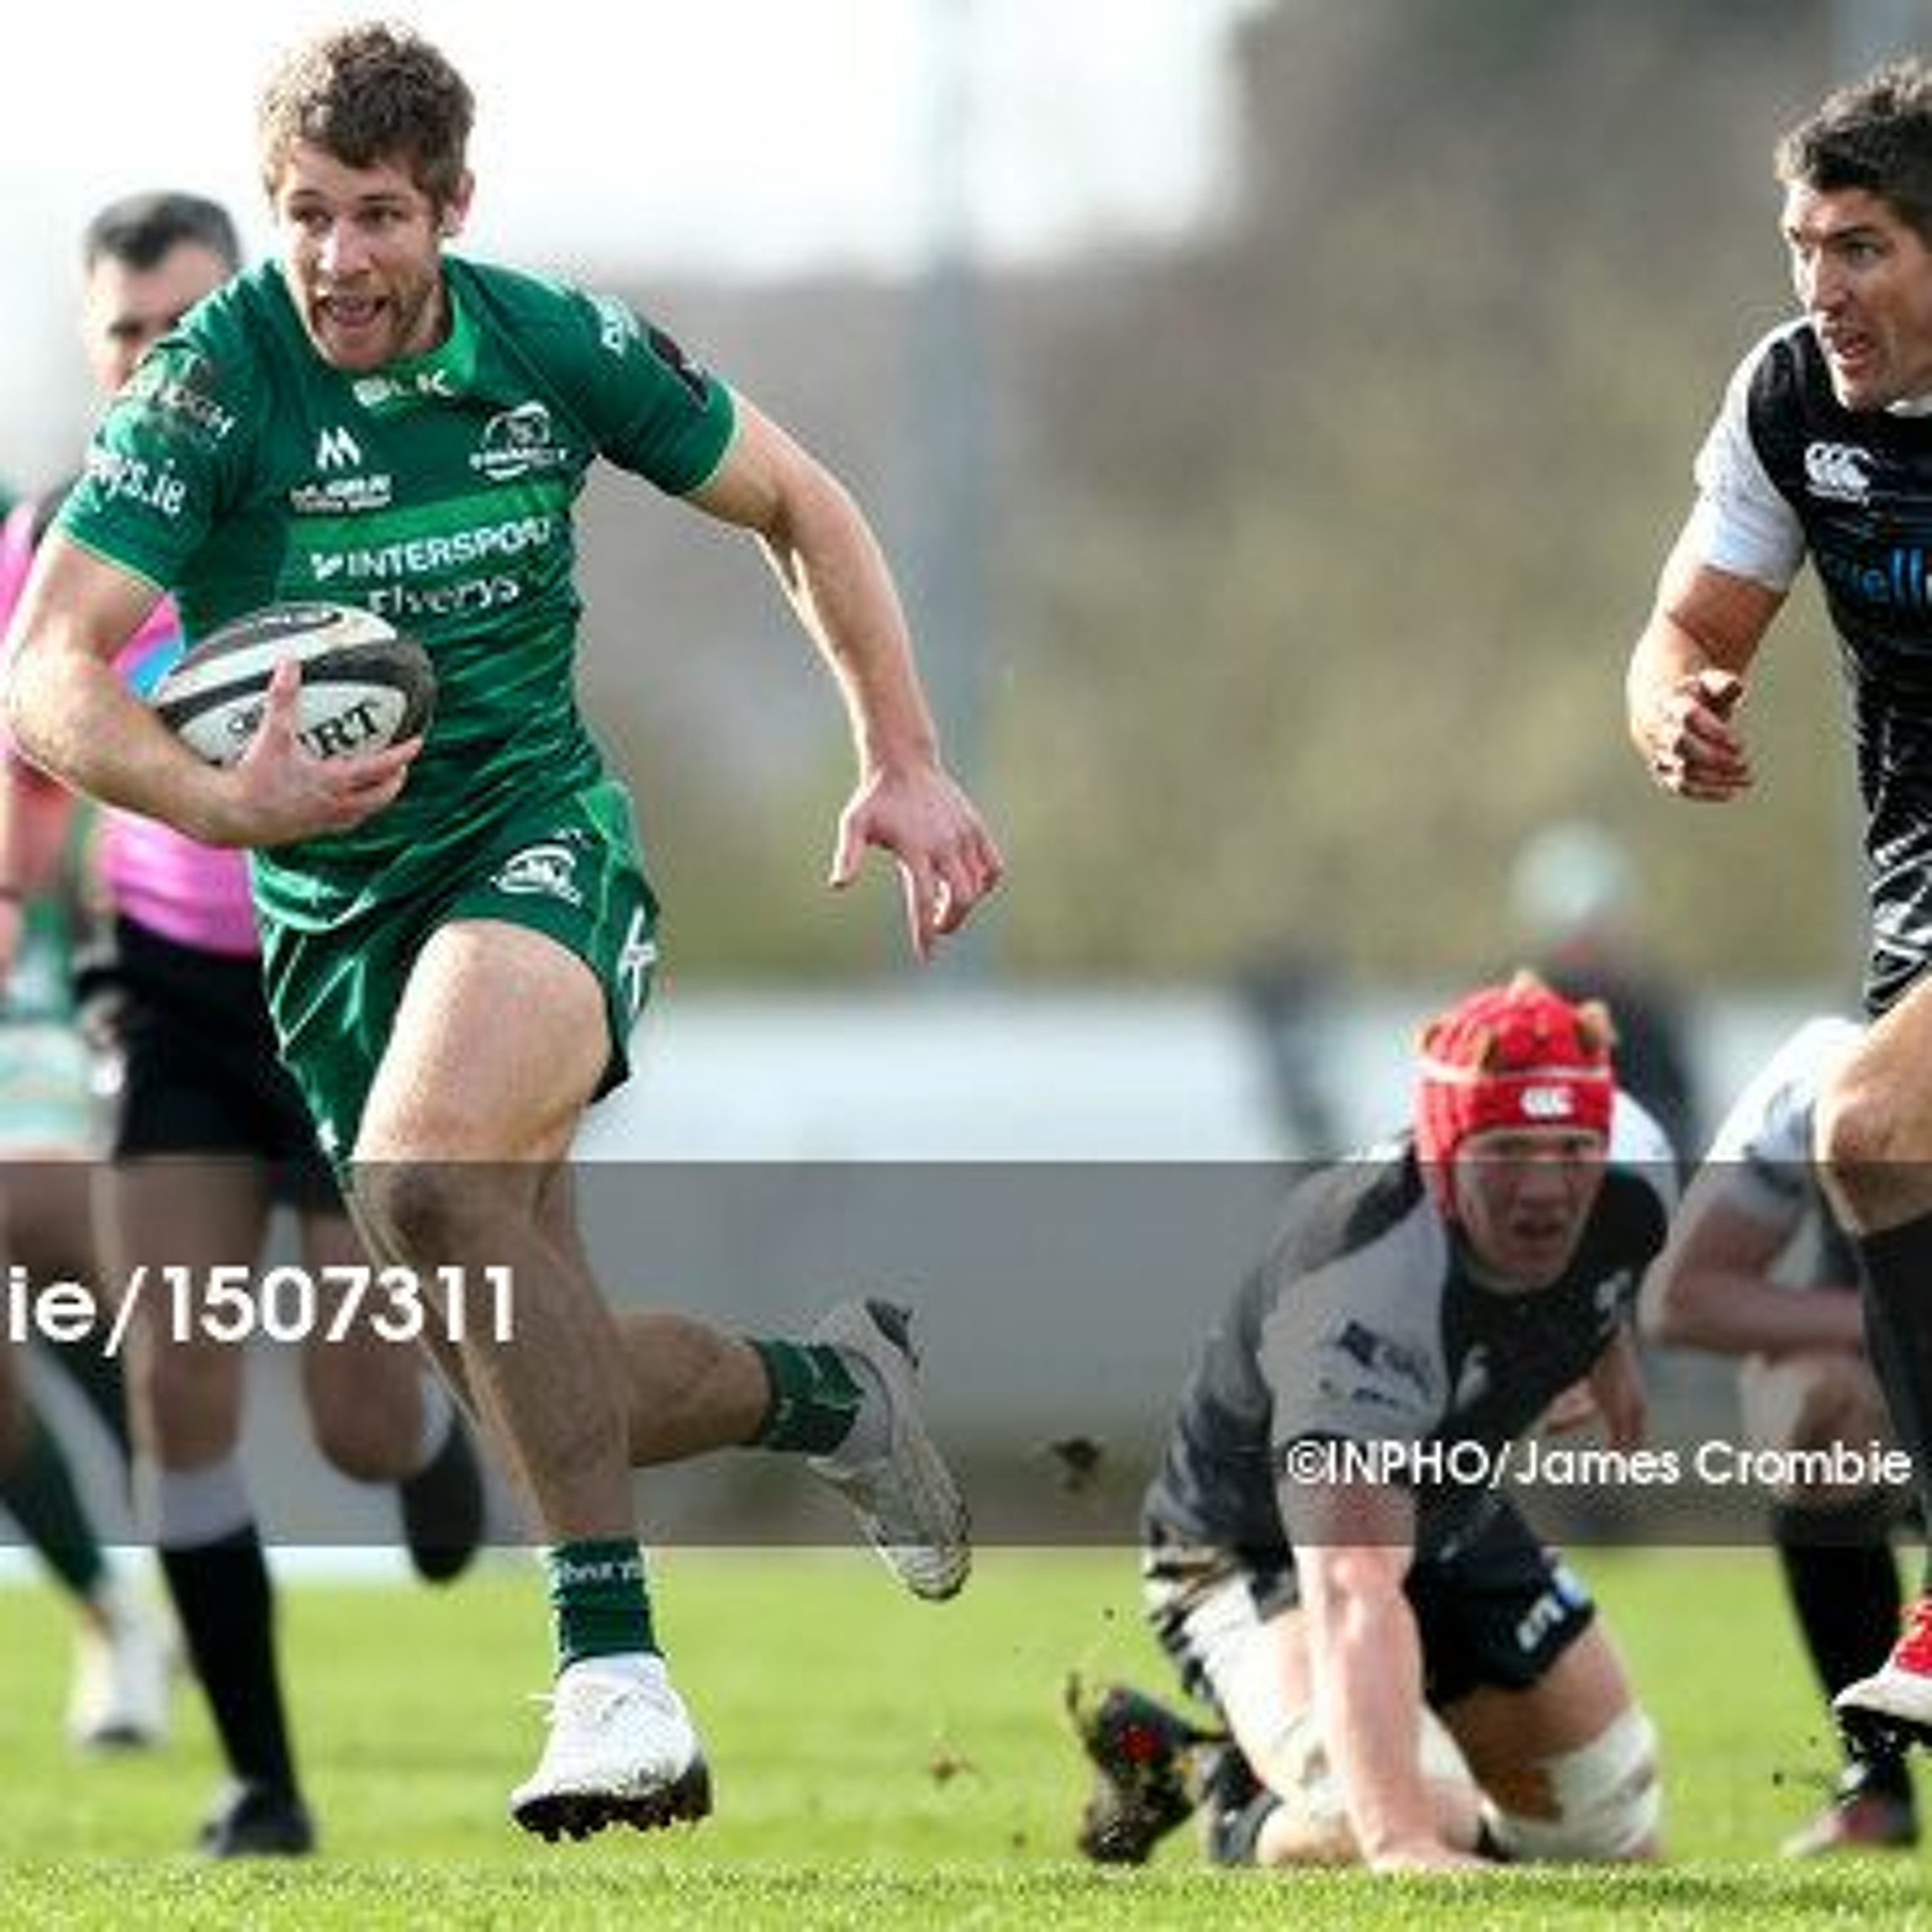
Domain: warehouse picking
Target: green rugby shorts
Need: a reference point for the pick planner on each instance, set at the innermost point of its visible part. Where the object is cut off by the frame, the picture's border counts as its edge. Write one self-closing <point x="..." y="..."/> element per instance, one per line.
<point x="569" y="867"/>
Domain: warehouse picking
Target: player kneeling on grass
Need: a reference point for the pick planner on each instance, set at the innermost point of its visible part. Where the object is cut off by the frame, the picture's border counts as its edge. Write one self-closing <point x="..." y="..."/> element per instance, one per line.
<point x="1406" y="1677"/>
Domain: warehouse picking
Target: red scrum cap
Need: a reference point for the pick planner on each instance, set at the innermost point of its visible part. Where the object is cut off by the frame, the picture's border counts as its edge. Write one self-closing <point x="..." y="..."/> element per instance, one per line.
<point x="1514" y="1056"/>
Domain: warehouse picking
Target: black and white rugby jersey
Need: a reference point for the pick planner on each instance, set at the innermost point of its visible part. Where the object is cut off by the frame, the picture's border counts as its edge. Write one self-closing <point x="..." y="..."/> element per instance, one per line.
<point x="1787" y="471"/>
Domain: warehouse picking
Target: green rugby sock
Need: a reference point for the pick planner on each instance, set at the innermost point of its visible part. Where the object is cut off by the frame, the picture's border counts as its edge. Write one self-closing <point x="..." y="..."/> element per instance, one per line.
<point x="40" y="1493"/>
<point x="599" y="1599"/>
<point x="814" y="1399"/>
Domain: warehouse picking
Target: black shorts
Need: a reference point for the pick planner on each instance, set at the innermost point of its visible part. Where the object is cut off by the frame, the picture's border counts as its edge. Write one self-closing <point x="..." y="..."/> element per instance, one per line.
<point x="183" y="1042"/>
<point x="1498" y="1609"/>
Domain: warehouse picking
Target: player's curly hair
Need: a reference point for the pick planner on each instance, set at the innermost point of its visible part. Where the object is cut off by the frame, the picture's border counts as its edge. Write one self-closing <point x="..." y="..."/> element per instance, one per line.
<point x="374" y="93"/>
<point x="1875" y="134"/>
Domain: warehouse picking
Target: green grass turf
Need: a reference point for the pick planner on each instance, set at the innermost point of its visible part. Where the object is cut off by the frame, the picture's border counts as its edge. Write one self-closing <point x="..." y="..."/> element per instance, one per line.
<point x="879" y="1763"/>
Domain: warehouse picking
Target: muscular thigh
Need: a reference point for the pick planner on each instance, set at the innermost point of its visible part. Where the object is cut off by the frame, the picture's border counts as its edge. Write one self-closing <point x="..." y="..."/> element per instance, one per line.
<point x="1874" y="1119"/>
<point x="498" y="1047"/>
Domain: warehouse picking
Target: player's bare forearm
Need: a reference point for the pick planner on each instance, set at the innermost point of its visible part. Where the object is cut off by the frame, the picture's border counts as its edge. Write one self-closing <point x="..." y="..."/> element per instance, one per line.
<point x="836" y="576"/>
<point x="905" y="802"/>
<point x="68" y="711"/>
<point x="1354" y="1544"/>
<point x="1686" y="679"/>
<point x="1733" y="1314"/>
<point x="1714" y="1286"/>
<point x="1366" y="1663"/>
<point x="847" y="601"/>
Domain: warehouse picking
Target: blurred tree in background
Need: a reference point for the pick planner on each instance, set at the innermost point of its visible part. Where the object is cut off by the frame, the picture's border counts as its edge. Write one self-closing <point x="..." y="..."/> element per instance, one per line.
<point x="1314" y="545"/>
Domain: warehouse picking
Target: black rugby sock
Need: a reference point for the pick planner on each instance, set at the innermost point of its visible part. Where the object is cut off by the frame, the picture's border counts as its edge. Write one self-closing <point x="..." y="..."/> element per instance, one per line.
<point x="1843" y="1587"/>
<point x="1897" y="1265"/>
<point x="225" y="1606"/>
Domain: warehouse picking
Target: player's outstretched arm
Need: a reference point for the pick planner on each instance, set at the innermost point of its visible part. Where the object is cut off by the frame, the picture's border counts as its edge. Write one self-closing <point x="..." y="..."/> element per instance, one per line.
<point x="836" y="576"/>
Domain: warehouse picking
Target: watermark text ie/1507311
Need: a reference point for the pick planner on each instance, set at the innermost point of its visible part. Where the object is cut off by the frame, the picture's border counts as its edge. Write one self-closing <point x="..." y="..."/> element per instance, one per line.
<point x="286" y="1303"/>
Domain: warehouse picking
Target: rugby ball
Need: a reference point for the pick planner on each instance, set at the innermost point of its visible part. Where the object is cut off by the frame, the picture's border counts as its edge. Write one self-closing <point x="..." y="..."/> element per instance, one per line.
<point x="364" y="684"/>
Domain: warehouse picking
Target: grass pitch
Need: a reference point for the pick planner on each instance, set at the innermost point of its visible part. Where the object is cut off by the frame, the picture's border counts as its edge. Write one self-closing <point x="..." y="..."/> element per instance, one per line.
<point x="879" y="1763"/>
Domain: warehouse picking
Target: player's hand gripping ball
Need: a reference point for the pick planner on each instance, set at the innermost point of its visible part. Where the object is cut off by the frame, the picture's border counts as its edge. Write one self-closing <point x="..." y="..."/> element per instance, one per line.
<point x="364" y="684"/>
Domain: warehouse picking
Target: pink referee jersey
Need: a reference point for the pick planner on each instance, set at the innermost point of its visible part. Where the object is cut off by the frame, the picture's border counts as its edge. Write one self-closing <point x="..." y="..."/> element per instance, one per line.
<point x="194" y="895"/>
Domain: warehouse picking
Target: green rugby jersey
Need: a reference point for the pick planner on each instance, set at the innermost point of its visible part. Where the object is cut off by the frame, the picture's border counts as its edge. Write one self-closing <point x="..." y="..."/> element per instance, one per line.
<point x="237" y="469"/>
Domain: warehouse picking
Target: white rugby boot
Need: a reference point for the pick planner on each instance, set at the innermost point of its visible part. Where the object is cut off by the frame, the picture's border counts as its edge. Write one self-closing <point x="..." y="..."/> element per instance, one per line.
<point x="621" y="1751"/>
<point x="1893" y="1706"/>
<point x="903" y="1494"/>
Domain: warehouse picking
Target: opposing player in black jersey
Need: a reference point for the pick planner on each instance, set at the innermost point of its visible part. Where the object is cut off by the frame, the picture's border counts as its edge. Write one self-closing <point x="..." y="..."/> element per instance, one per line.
<point x="1407" y="1677"/>
<point x="1823" y="448"/>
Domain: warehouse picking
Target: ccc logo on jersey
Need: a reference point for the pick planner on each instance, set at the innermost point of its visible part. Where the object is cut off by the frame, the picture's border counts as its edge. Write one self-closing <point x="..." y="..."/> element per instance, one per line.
<point x="1838" y="471"/>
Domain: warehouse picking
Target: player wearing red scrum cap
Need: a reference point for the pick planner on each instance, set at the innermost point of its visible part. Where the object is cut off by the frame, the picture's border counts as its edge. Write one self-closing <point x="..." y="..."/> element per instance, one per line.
<point x="1407" y="1676"/>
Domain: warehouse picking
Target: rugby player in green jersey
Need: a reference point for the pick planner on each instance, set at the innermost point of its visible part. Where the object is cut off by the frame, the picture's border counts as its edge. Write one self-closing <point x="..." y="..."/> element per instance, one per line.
<point x="458" y="932"/>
